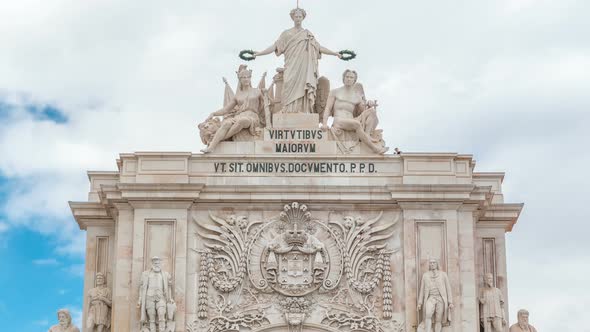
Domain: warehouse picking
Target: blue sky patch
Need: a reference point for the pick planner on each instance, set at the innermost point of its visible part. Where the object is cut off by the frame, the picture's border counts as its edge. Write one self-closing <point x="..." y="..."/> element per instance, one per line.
<point x="40" y="112"/>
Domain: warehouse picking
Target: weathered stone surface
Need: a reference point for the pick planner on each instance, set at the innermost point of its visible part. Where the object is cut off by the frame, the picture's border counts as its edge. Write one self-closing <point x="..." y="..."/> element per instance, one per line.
<point x="288" y="224"/>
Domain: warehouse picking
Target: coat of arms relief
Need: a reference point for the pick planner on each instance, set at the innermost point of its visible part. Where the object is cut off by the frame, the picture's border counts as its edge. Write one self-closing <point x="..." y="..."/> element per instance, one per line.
<point x="295" y="273"/>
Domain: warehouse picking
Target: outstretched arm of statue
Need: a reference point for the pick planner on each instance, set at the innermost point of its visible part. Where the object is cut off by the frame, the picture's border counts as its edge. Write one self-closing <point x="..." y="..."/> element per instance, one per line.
<point x="268" y="50"/>
<point x="328" y="111"/>
<point x="324" y="50"/>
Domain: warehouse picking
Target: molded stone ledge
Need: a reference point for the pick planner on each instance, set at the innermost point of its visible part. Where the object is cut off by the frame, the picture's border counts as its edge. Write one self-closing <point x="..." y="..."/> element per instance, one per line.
<point x="295" y="120"/>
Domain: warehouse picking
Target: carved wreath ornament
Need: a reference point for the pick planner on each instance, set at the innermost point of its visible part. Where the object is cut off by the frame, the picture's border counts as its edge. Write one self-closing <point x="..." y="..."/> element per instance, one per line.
<point x="252" y="270"/>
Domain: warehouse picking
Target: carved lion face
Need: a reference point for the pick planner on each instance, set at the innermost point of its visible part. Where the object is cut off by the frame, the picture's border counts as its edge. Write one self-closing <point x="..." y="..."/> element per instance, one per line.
<point x="208" y="129"/>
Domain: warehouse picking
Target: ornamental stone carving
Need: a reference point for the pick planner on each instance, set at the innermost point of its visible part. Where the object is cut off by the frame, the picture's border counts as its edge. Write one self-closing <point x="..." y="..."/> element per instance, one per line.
<point x="157" y="307"/>
<point x="292" y="270"/>
<point x="65" y="322"/>
<point x="100" y="302"/>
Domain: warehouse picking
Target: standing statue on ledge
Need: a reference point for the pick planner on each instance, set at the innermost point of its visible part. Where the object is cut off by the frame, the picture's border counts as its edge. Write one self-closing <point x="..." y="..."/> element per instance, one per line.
<point x="241" y="112"/>
<point x="65" y="322"/>
<point x="492" y="306"/>
<point x="155" y="298"/>
<point x="523" y="323"/>
<point x="435" y="299"/>
<point x="302" y="52"/>
<point x="346" y="101"/>
<point x="99" y="312"/>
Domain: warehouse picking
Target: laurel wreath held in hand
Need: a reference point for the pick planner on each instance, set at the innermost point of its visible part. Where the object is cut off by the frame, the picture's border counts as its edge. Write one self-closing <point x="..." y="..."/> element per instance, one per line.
<point x="347" y="55"/>
<point x="247" y="55"/>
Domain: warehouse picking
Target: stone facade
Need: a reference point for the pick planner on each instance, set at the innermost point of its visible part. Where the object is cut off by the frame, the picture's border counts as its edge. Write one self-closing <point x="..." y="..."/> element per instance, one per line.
<point x="294" y="218"/>
<point x="260" y="240"/>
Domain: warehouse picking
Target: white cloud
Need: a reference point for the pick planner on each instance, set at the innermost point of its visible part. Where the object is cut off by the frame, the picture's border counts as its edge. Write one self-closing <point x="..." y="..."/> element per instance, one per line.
<point x="504" y="80"/>
<point x="45" y="261"/>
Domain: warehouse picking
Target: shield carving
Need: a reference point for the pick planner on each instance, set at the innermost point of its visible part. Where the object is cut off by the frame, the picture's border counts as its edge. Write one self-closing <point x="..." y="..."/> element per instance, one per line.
<point x="296" y="268"/>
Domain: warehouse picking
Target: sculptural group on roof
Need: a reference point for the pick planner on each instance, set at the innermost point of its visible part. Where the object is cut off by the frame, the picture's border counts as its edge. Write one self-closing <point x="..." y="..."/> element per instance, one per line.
<point x="297" y="87"/>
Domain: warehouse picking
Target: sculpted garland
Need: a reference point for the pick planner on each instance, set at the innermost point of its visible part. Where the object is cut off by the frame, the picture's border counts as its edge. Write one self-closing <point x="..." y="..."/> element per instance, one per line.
<point x="294" y="267"/>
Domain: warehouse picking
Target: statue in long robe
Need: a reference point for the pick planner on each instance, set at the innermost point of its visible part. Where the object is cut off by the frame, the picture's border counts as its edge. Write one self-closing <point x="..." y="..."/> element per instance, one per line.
<point x="300" y="77"/>
<point x="492" y="306"/>
<point x="99" y="302"/>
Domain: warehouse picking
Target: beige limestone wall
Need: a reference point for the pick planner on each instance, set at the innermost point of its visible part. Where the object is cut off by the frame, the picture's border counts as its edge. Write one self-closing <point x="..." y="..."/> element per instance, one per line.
<point x="447" y="211"/>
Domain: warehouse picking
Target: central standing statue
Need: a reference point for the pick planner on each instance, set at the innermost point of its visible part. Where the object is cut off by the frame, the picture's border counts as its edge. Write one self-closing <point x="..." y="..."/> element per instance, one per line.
<point x="155" y="299"/>
<point x="302" y="52"/>
<point x="435" y="299"/>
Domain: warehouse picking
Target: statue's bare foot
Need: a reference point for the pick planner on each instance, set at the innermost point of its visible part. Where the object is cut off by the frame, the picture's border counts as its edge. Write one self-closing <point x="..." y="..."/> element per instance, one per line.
<point x="206" y="150"/>
<point x="383" y="150"/>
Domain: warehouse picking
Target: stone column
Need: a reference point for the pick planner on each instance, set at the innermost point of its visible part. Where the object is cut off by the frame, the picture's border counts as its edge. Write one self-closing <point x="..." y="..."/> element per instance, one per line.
<point x="160" y="229"/>
<point x="430" y="230"/>
<point x="99" y="258"/>
<point x="122" y="301"/>
<point x="469" y="305"/>
<point x="493" y="233"/>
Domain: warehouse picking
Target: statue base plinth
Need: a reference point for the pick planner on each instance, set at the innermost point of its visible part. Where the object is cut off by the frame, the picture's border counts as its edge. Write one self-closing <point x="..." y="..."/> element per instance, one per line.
<point x="296" y="120"/>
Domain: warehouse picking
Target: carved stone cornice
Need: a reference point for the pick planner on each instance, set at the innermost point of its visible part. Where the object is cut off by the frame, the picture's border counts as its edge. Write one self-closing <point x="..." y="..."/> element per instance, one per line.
<point x="502" y="216"/>
<point x="91" y="214"/>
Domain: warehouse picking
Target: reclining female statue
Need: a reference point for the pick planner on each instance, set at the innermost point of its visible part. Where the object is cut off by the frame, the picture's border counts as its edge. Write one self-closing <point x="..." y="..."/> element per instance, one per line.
<point x="242" y="112"/>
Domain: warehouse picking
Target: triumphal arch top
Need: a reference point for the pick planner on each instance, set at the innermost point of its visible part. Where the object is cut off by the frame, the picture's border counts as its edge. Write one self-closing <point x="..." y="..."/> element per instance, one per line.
<point x="295" y="217"/>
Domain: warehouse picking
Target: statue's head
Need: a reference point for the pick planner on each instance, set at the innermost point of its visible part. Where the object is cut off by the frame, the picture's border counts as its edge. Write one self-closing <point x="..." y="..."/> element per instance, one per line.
<point x="100" y="279"/>
<point x="156" y="264"/>
<point x="432" y="264"/>
<point x="64" y="317"/>
<point x="523" y="317"/>
<point x="298" y="15"/>
<point x="489" y="279"/>
<point x="244" y="76"/>
<point x="349" y="77"/>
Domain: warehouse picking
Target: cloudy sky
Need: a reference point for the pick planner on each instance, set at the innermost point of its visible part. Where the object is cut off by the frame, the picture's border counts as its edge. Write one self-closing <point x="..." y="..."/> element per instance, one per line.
<point x="505" y="80"/>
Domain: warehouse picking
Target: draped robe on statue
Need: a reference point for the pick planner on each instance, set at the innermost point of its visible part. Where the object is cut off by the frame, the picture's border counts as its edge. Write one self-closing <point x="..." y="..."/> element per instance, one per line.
<point x="301" y="52"/>
<point x="492" y="306"/>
